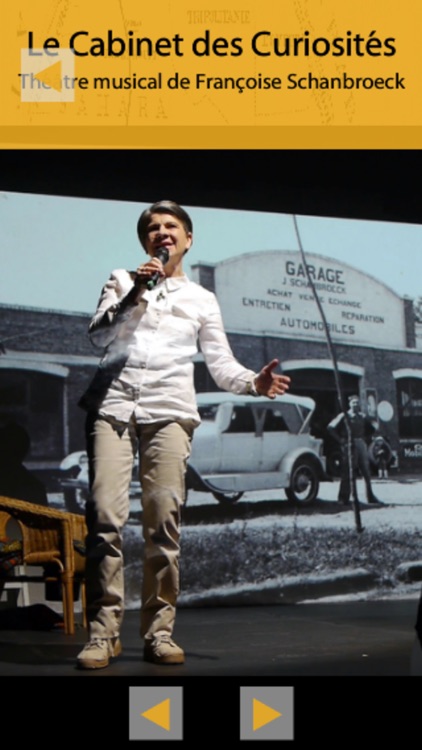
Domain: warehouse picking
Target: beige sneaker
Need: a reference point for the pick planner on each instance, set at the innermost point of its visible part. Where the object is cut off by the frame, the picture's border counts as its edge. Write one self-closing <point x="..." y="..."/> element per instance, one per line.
<point x="96" y="654"/>
<point x="162" y="650"/>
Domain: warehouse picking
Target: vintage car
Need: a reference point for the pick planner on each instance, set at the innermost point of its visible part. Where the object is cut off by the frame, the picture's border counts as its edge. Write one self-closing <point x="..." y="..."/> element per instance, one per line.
<point x="246" y="443"/>
<point x="74" y="481"/>
<point x="242" y="444"/>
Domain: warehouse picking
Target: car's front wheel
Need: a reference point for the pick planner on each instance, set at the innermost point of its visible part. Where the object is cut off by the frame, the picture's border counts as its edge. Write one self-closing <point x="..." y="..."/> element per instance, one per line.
<point x="304" y="483"/>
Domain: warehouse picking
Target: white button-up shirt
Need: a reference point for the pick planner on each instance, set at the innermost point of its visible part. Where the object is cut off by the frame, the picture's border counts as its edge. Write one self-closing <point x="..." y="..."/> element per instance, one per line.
<point x="147" y="369"/>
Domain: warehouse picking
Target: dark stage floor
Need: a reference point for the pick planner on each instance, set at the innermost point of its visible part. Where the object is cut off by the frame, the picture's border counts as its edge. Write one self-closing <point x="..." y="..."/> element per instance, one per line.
<point x="331" y="639"/>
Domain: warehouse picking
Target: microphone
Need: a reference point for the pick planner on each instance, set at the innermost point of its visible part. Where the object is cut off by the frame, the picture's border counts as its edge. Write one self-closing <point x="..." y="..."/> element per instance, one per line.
<point x="162" y="254"/>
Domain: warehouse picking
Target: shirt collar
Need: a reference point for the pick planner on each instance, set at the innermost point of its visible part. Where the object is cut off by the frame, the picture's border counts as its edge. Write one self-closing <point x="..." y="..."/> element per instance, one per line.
<point x="172" y="283"/>
<point x="168" y="285"/>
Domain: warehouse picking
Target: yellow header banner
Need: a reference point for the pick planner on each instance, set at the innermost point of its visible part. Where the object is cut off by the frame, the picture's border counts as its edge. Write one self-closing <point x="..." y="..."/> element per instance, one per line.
<point x="298" y="74"/>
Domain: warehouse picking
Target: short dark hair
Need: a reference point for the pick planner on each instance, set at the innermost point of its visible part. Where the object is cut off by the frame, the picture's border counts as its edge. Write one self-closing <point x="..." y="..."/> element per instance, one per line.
<point x="162" y="207"/>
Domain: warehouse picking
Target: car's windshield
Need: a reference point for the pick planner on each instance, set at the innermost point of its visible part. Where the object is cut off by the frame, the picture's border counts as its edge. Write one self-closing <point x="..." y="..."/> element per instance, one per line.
<point x="295" y="416"/>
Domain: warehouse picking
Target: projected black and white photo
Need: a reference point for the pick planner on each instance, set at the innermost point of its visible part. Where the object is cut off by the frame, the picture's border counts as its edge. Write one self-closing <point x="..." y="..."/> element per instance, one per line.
<point x="270" y="514"/>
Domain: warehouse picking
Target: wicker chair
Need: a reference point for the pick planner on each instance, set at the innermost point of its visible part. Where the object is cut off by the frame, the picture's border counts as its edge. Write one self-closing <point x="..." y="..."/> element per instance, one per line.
<point x="48" y="538"/>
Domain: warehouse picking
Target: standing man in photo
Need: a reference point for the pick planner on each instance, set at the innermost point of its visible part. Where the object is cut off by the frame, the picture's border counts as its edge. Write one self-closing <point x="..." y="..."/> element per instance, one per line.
<point x="362" y="428"/>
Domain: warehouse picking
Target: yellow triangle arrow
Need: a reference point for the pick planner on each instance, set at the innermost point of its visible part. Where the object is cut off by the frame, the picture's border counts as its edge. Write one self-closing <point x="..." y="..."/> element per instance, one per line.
<point x="159" y="714"/>
<point x="263" y="714"/>
<point x="51" y="76"/>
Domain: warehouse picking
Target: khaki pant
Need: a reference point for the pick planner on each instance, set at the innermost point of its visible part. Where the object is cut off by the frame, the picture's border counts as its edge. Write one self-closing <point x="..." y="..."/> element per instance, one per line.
<point x="164" y="449"/>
